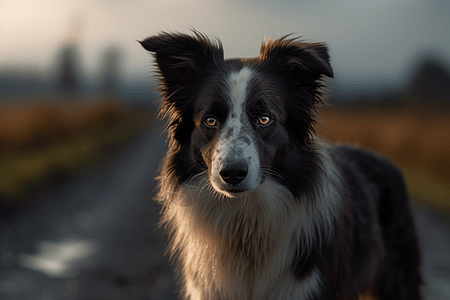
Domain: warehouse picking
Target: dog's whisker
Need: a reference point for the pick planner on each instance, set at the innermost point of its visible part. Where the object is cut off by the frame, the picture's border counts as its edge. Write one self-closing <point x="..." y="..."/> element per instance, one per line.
<point x="196" y="165"/>
<point x="268" y="171"/>
<point x="196" y="187"/>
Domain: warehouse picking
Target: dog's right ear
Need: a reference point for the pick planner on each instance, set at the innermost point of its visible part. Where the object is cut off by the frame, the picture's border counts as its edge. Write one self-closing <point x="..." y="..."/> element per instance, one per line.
<point x="180" y="57"/>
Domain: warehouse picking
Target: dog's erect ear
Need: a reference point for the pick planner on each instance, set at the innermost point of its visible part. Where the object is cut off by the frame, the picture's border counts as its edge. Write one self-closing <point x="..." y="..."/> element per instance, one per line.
<point x="180" y="57"/>
<point x="302" y="67"/>
<point x="297" y="57"/>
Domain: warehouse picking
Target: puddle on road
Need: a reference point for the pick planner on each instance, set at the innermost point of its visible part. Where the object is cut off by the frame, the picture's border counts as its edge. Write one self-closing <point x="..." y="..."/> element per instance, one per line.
<point x="62" y="259"/>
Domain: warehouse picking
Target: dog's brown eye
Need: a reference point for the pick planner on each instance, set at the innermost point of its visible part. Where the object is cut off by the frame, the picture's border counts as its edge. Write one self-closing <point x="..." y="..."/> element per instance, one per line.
<point x="264" y="120"/>
<point x="210" y="122"/>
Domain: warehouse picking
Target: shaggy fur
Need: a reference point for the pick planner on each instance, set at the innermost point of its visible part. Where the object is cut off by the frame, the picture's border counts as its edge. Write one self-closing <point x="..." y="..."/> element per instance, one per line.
<point x="255" y="205"/>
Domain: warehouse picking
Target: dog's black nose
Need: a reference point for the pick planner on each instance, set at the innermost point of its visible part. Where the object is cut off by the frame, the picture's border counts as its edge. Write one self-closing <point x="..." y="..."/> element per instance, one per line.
<point x="233" y="172"/>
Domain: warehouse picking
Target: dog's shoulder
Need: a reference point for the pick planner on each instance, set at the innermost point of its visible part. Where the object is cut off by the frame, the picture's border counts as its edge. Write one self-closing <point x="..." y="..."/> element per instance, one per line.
<point x="364" y="162"/>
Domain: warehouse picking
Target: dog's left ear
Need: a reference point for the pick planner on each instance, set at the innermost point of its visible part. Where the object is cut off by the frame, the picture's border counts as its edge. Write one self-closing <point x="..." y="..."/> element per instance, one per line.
<point x="302" y="67"/>
<point x="297" y="58"/>
<point x="180" y="57"/>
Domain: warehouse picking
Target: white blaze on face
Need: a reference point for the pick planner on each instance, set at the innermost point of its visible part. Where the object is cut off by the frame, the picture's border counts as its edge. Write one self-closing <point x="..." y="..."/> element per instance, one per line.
<point x="236" y="140"/>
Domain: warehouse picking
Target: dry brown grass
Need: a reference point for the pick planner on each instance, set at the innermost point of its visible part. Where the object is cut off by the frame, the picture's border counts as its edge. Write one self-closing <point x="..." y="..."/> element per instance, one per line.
<point x="38" y="123"/>
<point x="43" y="139"/>
<point x="418" y="140"/>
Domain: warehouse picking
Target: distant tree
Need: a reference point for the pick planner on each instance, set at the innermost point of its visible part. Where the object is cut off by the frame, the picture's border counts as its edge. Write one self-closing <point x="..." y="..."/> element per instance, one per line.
<point x="431" y="82"/>
<point x="110" y="71"/>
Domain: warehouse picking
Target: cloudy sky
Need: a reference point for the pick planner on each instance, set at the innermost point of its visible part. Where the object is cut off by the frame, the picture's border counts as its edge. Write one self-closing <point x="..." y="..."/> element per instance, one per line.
<point x="370" y="40"/>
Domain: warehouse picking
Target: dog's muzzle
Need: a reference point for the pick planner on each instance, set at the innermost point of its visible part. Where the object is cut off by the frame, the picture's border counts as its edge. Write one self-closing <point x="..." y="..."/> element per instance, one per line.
<point x="233" y="173"/>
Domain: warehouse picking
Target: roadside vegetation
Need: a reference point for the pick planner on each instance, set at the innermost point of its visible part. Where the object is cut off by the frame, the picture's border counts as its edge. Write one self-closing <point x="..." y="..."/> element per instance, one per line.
<point x="417" y="138"/>
<point x="43" y="142"/>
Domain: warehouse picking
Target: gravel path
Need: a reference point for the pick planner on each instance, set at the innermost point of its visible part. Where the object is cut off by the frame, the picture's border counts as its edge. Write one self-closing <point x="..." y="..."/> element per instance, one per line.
<point x="96" y="239"/>
<point x="434" y="235"/>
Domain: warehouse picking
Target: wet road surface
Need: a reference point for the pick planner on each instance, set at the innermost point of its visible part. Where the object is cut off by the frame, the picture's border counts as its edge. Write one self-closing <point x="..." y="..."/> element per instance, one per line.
<point x="95" y="239"/>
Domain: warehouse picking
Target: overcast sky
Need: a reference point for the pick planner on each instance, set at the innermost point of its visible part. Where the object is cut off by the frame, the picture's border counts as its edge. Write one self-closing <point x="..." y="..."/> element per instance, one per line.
<point x="369" y="40"/>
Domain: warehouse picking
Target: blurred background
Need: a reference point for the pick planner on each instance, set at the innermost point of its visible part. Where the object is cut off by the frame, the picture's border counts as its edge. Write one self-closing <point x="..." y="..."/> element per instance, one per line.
<point x="80" y="142"/>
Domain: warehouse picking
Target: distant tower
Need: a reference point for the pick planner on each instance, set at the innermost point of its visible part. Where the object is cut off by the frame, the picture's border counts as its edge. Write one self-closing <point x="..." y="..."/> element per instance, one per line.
<point x="67" y="78"/>
<point x="110" y="71"/>
<point x="68" y="64"/>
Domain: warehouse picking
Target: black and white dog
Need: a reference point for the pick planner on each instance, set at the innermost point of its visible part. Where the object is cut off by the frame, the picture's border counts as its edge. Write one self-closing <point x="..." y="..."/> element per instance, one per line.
<point x="256" y="206"/>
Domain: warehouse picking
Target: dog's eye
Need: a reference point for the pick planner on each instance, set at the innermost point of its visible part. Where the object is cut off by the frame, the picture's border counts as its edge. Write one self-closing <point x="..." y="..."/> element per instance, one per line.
<point x="264" y="120"/>
<point x="210" y="122"/>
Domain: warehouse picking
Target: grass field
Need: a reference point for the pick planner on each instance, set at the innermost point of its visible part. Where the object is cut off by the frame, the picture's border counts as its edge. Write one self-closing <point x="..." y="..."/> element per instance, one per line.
<point x="42" y="142"/>
<point x="416" y="139"/>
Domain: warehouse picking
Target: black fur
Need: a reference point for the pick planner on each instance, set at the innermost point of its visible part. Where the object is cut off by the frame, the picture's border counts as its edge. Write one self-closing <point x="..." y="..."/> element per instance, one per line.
<point x="382" y="224"/>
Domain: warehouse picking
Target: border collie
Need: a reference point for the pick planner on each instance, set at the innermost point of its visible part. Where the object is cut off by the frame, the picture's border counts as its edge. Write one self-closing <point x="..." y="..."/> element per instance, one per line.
<point x="255" y="205"/>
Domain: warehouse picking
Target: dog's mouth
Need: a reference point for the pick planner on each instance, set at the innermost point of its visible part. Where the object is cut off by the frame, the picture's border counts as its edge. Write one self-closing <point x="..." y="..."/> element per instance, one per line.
<point x="234" y="192"/>
<point x="231" y="191"/>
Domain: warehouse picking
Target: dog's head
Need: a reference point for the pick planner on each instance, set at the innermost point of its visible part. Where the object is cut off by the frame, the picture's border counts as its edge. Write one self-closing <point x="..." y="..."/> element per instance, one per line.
<point x="238" y="120"/>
